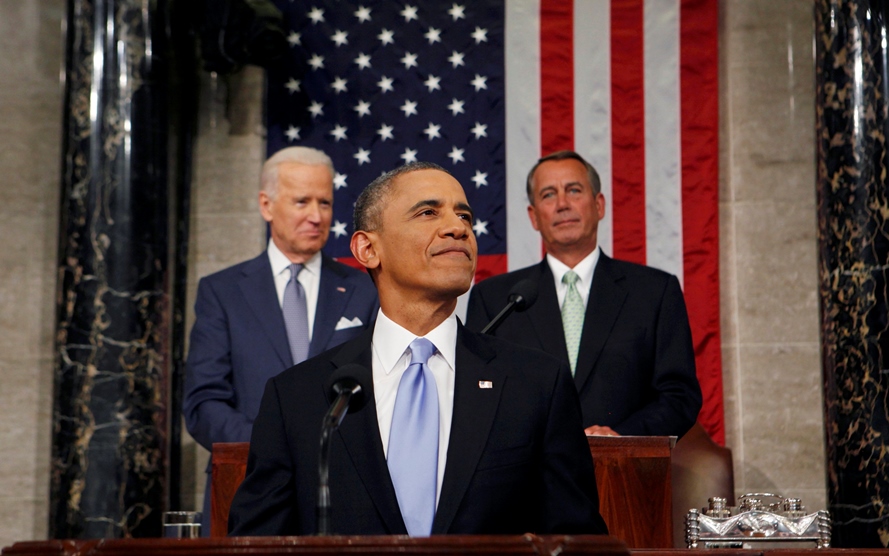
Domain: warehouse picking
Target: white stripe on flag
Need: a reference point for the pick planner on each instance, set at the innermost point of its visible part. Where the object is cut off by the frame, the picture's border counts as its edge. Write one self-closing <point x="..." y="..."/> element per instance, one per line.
<point x="663" y="178"/>
<point x="592" y="97"/>
<point x="522" y="126"/>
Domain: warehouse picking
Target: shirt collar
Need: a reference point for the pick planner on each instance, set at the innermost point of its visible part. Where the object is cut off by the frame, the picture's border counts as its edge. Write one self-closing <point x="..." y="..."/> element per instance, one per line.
<point x="280" y="262"/>
<point x="391" y="340"/>
<point x="584" y="269"/>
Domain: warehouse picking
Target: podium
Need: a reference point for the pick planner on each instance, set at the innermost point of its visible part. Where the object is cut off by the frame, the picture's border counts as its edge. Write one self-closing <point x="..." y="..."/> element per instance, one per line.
<point x="479" y="545"/>
<point x="229" y="466"/>
<point x="632" y="475"/>
<point x="634" y="478"/>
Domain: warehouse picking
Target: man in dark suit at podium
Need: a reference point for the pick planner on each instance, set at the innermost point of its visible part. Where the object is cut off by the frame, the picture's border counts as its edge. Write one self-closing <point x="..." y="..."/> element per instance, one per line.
<point x="622" y="327"/>
<point x="462" y="433"/>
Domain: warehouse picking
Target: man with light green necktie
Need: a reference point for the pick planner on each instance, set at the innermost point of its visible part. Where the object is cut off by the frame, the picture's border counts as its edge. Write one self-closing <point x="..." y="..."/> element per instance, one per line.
<point x="622" y="327"/>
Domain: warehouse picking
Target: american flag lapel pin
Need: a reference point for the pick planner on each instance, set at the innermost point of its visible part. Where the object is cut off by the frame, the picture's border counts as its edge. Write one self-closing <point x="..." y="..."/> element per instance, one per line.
<point x="485" y="384"/>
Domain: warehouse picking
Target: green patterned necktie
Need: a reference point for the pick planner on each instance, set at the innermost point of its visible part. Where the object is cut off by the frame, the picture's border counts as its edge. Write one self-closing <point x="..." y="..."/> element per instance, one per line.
<point x="572" y="317"/>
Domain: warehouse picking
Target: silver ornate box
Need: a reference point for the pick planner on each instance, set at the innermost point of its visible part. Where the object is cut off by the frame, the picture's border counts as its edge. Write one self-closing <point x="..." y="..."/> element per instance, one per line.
<point x="759" y="519"/>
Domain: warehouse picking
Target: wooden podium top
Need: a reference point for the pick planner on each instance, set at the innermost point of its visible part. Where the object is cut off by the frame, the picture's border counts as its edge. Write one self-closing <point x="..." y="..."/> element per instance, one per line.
<point x="632" y="474"/>
<point x="479" y="545"/>
<point x="632" y="446"/>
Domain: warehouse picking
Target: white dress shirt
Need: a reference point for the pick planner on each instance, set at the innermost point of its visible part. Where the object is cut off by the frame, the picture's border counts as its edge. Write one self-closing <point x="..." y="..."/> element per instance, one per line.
<point x="391" y="357"/>
<point x="310" y="278"/>
<point x="584" y="270"/>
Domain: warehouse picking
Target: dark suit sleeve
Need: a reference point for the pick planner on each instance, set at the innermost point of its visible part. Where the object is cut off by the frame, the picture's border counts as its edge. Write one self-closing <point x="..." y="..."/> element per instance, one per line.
<point x="570" y="498"/>
<point x="264" y="503"/>
<point x="677" y="393"/>
<point x="208" y="403"/>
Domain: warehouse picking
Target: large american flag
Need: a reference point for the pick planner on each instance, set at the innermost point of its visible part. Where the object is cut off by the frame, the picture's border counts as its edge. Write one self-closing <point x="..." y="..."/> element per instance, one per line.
<point x="484" y="88"/>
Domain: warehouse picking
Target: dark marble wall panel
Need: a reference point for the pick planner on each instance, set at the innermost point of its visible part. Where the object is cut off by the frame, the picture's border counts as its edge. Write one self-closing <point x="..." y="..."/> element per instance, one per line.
<point x="113" y="316"/>
<point x="853" y="219"/>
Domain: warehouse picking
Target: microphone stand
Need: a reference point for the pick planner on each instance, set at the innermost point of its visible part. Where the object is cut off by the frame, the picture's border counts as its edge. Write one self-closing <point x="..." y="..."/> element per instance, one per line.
<point x="330" y="424"/>
<point x="501" y="316"/>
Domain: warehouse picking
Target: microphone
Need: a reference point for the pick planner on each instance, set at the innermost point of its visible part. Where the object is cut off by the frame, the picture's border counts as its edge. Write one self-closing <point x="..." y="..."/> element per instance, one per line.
<point x="347" y="390"/>
<point x="522" y="295"/>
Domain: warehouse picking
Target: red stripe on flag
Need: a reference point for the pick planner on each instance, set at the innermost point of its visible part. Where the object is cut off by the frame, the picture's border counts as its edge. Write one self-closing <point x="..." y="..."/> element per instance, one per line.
<point x="556" y="75"/>
<point x="699" y="82"/>
<point x="627" y="131"/>
<point x="490" y="265"/>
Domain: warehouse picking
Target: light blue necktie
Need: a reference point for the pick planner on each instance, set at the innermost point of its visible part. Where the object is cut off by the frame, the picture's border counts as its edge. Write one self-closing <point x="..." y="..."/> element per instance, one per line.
<point x="413" y="442"/>
<point x="572" y="317"/>
<point x="296" y="318"/>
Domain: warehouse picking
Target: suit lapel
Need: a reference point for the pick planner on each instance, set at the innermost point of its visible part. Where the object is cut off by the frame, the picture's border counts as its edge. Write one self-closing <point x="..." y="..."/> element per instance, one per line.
<point x="258" y="287"/>
<point x="333" y="296"/>
<point x="360" y="432"/>
<point x="546" y="315"/>
<point x="473" y="415"/>
<point x="607" y="296"/>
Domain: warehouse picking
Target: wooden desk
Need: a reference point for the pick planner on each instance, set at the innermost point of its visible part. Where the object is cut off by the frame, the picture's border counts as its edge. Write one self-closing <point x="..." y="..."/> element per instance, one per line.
<point x="635" y="492"/>
<point x="388" y="545"/>
<point x="479" y="545"/>
<point x="632" y="474"/>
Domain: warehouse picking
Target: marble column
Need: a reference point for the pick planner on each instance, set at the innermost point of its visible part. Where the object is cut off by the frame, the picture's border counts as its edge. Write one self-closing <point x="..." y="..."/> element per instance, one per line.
<point x="113" y="328"/>
<point x="853" y="228"/>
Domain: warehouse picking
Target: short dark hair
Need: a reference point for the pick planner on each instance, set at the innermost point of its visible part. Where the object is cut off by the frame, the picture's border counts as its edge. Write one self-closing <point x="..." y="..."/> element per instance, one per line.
<point x="592" y="174"/>
<point x="369" y="206"/>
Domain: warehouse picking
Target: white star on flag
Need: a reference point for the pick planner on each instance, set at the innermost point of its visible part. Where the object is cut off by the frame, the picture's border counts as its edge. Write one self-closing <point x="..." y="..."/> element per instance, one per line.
<point x="385" y="132"/>
<point x="362" y="108"/>
<point x="338" y="229"/>
<point x="480" y="178"/>
<point x="294" y="38"/>
<point x="456" y="155"/>
<point x="292" y="85"/>
<point x="409" y="155"/>
<point x="409" y="107"/>
<point x="339" y="85"/>
<point x="433" y="35"/>
<point x="386" y="37"/>
<point x="480" y="35"/>
<point x="317" y="62"/>
<point x="456" y="59"/>
<point x="339" y="181"/>
<point x="340" y="38"/>
<point x="432" y="83"/>
<point x="409" y="60"/>
<point x="385" y="84"/>
<point x="363" y="60"/>
<point x="456" y="107"/>
<point x="479" y="82"/>
<point x="480" y="227"/>
<point x="338" y="132"/>
<point x="292" y="133"/>
<point x="457" y="12"/>
<point x="316" y="109"/>
<point x="431" y="131"/>
<point x="363" y="14"/>
<point x="316" y="15"/>
<point x="480" y="130"/>
<point x="362" y="156"/>
<point x="409" y="13"/>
